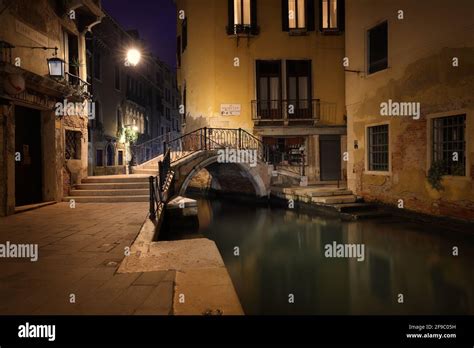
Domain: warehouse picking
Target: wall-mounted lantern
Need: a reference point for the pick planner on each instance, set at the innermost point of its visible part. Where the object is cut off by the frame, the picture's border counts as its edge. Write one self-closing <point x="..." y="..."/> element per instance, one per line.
<point x="56" y="67"/>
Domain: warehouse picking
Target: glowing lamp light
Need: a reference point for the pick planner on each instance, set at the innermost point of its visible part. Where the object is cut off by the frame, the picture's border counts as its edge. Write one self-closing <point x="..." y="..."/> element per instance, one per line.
<point x="135" y="128"/>
<point x="133" y="56"/>
<point x="56" y="67"/>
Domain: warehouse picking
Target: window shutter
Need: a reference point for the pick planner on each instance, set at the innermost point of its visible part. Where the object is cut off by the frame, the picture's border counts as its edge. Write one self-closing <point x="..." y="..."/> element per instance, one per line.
<point x="341" y="14"/>
<point x="285" y="25"/>
<point x="253" y="16"/>
<point x="310" y="15"/>
<point x="230" y="19"/>
<point x="320" y="15"/>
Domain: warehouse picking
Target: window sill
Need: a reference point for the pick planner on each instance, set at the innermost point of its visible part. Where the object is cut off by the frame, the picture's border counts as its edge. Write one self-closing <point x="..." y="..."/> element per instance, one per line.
<point x="298" y="32"/>
<point x="374" y="172"/>
<point x="331" y="32"/>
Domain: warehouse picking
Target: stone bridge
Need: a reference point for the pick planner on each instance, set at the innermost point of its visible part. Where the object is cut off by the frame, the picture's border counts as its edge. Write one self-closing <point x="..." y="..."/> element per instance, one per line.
<point x="228" y="177"/>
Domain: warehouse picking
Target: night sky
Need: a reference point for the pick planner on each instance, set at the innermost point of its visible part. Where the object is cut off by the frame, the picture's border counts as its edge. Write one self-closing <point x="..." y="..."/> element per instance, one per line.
<point x="154" y="19"/>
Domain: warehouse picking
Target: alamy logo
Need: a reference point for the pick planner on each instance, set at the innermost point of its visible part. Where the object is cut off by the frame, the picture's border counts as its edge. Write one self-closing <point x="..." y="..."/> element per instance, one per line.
<point x="37" y="331"/>
<point x="237" y="156"/>
<point x="66" y="108"/>
<point x="393" y="108"/>
<point x="345" y="251"/>
<point x="11" y="250"/>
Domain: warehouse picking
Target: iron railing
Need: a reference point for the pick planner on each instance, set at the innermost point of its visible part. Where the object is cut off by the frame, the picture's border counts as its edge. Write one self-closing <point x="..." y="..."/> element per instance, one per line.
<point x="292" y="111"/>
<point x="206" y="139"/>
<point x="149" y="149"/>
<point x="161" y="185"/>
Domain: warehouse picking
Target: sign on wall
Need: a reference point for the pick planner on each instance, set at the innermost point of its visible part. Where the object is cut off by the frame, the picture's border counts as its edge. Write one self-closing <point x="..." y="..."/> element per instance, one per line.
<point x="230" y="109"/>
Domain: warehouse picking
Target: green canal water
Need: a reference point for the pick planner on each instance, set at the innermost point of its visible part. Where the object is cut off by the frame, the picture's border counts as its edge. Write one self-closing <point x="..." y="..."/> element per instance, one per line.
<point x="281" y="257"/>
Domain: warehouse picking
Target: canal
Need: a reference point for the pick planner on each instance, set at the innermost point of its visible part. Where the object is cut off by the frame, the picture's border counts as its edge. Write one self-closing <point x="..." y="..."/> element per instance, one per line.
<point x="276" y="259"/>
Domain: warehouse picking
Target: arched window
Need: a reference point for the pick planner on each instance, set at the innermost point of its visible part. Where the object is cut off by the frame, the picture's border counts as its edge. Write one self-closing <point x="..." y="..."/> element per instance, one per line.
<point x="110" y="153"/>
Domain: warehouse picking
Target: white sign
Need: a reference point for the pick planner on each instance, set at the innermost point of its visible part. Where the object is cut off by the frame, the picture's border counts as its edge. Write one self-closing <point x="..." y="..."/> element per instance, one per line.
<point x="230" y="109"/>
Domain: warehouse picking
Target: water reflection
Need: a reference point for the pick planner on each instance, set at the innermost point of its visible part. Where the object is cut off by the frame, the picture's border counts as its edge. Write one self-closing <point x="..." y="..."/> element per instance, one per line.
<point x="282" y="253"/>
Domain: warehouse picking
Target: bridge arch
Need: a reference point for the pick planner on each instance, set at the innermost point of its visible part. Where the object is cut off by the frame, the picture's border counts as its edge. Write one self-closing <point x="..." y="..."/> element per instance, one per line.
<point x="258" y="175"/>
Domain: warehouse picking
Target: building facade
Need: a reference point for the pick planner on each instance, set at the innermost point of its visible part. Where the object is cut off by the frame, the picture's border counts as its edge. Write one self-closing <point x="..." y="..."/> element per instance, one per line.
<point x="43" y="119"/>
<point x="409" y="104"/>
<point x="272" y="68"/>
<point x="135" y="104"/>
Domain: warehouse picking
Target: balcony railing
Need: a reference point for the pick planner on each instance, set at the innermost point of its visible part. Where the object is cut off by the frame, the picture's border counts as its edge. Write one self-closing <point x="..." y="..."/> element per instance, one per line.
<point x="288" y="112"/>
<point x="243" y="29"/>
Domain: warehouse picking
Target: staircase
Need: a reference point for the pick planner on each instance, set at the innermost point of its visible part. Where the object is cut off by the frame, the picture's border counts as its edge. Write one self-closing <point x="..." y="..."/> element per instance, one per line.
<point x="330" y="196"/>
<point x="111" y="189"/>
<point x="148" y="168"/>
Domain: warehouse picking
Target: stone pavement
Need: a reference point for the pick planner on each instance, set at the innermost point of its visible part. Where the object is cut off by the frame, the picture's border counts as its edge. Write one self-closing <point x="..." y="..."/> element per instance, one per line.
<point x="80" y="250"/>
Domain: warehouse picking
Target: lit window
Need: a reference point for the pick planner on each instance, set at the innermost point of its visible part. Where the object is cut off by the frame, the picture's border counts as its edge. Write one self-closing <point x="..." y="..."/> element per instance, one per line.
<point x="331" y="15"/>
<point x="242" y="12"/>
<point x="242" y="17"/>
<point x="296" y="14"/>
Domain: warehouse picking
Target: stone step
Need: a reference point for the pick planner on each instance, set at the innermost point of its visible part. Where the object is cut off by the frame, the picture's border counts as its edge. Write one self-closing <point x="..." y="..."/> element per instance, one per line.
<point x="122" y="192"/>
<point x="113" y="186"/>
<point x="107" y="199"/>
<point x="115" y="179"/>
<point x="146" y="171"/>
<point x="354" y="207"/>
<point x="334" y="199"/>
<point x="330" y="192"/>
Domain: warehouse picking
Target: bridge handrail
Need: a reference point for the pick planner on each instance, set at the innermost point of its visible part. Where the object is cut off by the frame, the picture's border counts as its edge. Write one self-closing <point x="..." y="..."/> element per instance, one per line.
<point x="215" y="138"/>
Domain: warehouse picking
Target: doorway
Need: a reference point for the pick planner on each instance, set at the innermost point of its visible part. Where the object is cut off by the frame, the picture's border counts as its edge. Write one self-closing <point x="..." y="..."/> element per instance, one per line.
<point x="28" y="156"/>
<point x="330" y="157"/>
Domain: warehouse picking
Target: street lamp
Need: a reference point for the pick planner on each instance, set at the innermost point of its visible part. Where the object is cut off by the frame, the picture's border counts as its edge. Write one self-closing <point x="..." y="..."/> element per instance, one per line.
<point x="133" y="56"/>
<point x="56" y="67"/>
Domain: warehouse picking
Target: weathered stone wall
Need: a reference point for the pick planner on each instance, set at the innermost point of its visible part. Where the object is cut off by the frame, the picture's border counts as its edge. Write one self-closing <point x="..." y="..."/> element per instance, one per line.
<point x="421" y="51"/>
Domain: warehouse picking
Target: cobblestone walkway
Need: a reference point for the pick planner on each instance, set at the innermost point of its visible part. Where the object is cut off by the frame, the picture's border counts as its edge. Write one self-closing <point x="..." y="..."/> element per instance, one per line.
<point x="79" y="252"/>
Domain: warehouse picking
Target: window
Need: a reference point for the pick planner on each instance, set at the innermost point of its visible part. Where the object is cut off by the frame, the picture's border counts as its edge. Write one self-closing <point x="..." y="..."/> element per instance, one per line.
<point x="73" y="145"/>
<point x="167" y="113"/>
<point x="331" y="18"/>
<point x="242" y="17"/>
<point x="184" y="33"/>
<point x="99" y="158"/>
<point x="119" y="121"/>
<point x="97" y="66"/>
<point x="298" y="81"/>
<point x="110" y="153"/>
<point x="377" y="43"/>
<point x="242" y="12"/>
<point x="297" y="15"/>
<point x="98" y="113"/>
<point x="117" y="77"/>
<point x="120" y="158"/>
<point x="378" y="148"/>
<point x="449" y="144"/>
<point x="178" y="51"/>
<point x="89" y="66"/>
<point x="269" y="88"/>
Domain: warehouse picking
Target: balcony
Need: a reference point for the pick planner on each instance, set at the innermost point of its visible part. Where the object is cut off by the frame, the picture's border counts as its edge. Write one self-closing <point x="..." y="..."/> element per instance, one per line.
<point x="303" y="112"/>
<point x="243" y="30"/>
